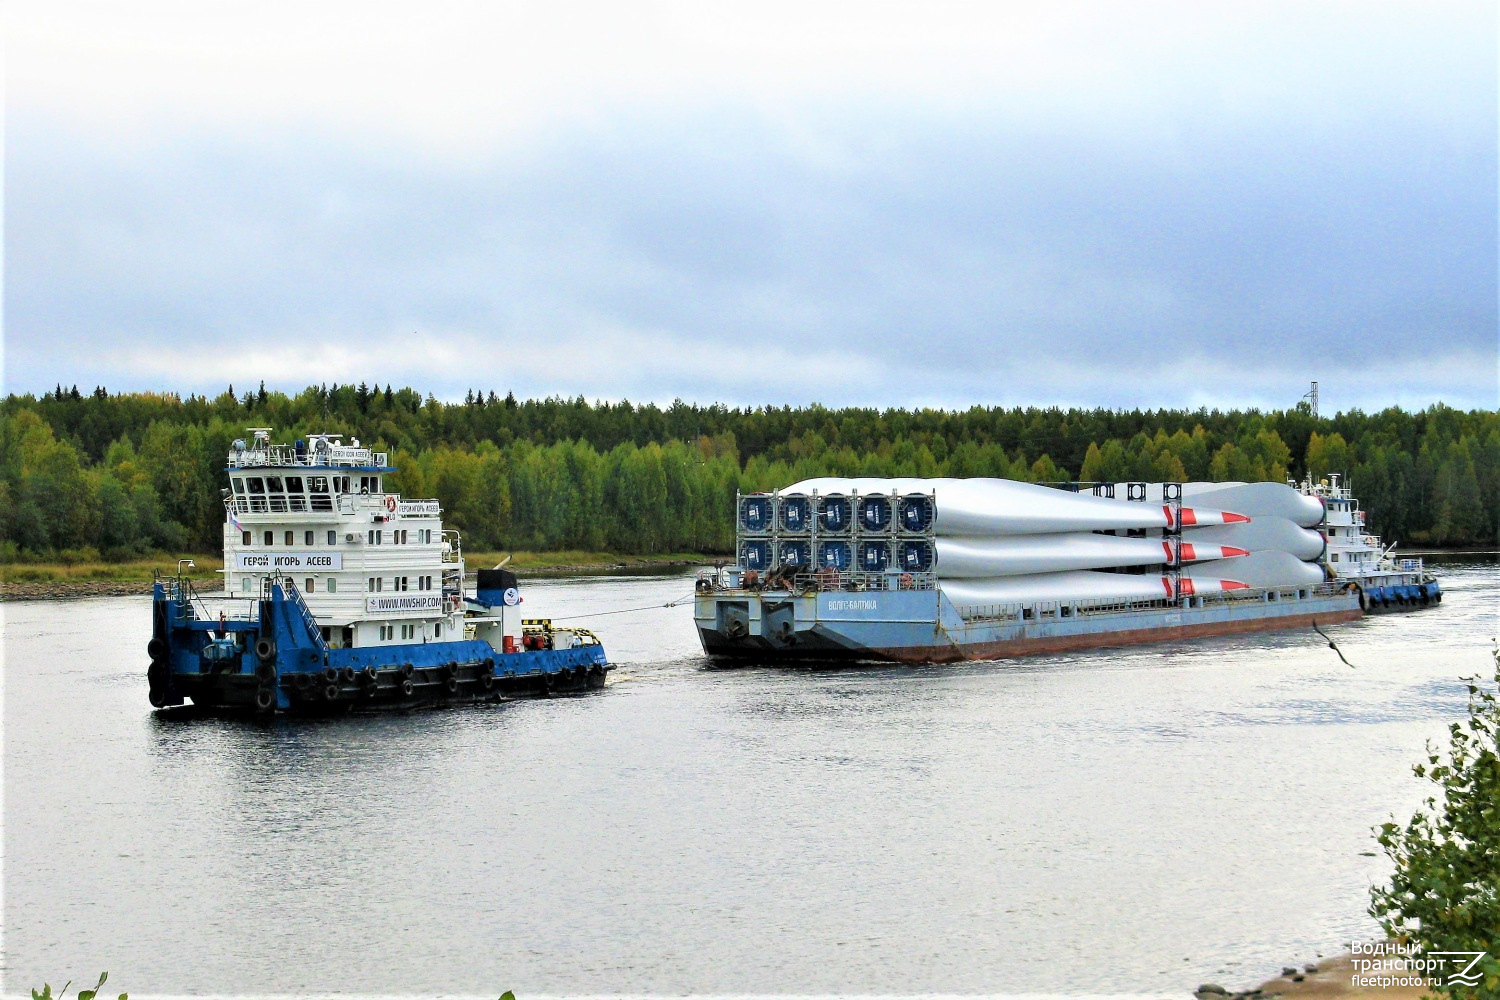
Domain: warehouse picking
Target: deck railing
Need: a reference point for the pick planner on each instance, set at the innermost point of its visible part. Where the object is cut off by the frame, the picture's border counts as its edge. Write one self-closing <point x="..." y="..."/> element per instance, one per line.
<point x="1041" y="610"/>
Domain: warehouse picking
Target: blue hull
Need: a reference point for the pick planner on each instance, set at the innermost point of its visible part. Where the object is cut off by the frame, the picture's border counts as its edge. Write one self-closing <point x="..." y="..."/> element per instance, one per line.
<point x="276" y="661"/>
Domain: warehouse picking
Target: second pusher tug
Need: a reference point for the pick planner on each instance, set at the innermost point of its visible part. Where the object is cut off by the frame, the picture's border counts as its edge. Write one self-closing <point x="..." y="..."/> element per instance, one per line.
<point x="340" y="594"/>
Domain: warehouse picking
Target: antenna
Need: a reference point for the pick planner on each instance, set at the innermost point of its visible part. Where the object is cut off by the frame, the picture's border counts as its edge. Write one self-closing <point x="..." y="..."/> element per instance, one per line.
<point x="1312" y="399"/>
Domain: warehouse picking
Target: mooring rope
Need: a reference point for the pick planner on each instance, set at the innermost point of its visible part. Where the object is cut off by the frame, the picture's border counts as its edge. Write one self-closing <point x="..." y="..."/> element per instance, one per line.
<point x="626" y="611"/>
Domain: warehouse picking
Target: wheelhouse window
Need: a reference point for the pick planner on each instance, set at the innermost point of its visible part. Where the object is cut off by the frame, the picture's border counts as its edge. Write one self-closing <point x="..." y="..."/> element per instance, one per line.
<point x="295" y="497"/>
<point x="291" y="538"/>
<point x="333" y="538"/>
<point x="333" y="584"/>
<point x="255" y="487"/>
<point x="319" y="494"/>
<point x="245" y="539"/>
<point x="310" y="588"/>
<point x="270" y="538"/>
<point x="307" y="538"/>
<point x="276" y="493"/>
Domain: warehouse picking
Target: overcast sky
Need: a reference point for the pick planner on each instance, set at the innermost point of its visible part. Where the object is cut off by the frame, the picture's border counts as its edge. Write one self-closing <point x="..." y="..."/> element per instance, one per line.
<point x="1099" y="204"/>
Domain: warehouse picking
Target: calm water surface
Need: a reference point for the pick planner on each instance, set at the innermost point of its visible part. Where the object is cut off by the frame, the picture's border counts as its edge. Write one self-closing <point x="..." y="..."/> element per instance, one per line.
<point x="1122" y="821"/>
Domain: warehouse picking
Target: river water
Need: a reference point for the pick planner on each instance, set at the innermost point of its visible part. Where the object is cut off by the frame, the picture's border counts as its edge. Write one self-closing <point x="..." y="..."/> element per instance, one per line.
<point x="1133" y="821"/>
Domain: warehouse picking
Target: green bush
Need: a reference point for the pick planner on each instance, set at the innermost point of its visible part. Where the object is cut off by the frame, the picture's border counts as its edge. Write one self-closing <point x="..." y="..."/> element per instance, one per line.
<point x="46" y="991"/>
<point x="1444" y="893"/>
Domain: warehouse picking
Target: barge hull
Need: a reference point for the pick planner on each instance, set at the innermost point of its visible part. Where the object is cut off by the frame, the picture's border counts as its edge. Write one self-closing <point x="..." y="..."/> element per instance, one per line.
<point x="924" y="627"/>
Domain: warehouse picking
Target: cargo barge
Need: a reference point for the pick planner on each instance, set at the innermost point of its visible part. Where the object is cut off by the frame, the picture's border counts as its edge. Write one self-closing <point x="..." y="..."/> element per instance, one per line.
<point x="341" y="595"/>
<point x="855" y="569"/>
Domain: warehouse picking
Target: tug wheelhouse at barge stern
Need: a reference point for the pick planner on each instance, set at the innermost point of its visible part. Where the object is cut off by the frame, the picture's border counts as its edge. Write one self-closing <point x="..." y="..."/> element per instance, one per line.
<point x="339" y="595"/>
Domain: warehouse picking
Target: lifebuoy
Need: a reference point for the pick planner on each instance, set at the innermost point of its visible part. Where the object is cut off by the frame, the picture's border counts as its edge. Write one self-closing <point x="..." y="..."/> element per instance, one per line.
<point x="390" y="504"/>
<point x="906" y="581"/>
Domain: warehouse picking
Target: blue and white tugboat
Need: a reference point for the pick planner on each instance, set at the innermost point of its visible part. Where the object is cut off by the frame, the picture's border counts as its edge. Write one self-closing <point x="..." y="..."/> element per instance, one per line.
<point x="340" y="595"/>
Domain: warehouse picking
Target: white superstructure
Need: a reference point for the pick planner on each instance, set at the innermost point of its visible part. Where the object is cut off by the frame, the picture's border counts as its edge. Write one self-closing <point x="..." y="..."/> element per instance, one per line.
<point x="374" y="568"/>
<point x="1353" y="553"/>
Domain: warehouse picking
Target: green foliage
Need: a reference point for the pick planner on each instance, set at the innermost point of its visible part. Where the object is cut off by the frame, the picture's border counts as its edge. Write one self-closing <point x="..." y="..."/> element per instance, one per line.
<point x="46" y="991"/>
<point x="1444" y="894"/>
<point x="125" y="476"/>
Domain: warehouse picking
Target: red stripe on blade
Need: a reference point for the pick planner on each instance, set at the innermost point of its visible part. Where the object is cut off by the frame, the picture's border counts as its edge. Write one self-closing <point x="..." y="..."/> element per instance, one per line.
<point x="1233" y="585"/>
<point x="1230" y="517"/>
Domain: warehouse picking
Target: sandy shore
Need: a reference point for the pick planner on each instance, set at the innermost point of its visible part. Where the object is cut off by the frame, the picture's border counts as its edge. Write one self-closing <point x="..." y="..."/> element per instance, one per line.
<point x="1327" y="979"/>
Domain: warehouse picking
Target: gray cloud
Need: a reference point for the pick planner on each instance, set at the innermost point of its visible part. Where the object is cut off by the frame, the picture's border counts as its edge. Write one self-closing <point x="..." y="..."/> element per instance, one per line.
<point x="879" y="255"/>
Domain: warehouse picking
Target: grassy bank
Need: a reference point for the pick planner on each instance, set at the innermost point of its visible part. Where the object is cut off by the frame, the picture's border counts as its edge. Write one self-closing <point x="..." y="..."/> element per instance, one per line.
<point x="131" y="571"/>
<point x="97" y="577"/>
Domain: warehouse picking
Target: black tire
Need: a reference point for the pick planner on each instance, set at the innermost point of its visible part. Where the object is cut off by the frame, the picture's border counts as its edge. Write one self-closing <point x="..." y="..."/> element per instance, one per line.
<point x="331" y="674"/>
<point x="331" y="692"/>
<point x="370" y="676"/>
<point x="302" y="681"/>
<point x="407" y="670"/>
<point x="452" y="668"/>
<point x="157" y="697"/>
<point x="487" y="681"/>
<point x="350" y="675"/>
<point x="452" y="685"/>
<point x="156" y="674"/>
<point x="407" y="687"/>
<point x="549" y="683"/>
<point x="157" y="648"/>
<point x="264" y="698"/>
<point x="489" y="665"/>
<point x="266" y="672"/>
<point x="265" y="648"/>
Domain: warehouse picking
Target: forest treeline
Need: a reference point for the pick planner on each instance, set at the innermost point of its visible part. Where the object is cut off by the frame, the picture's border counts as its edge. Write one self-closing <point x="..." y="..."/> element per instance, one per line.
<point x="96" y="475"/>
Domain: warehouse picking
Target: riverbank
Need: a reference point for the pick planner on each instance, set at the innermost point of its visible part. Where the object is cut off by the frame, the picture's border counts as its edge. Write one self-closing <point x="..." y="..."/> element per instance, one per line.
<point x="42" y="581"/>
<point x="1327" y="979"/>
